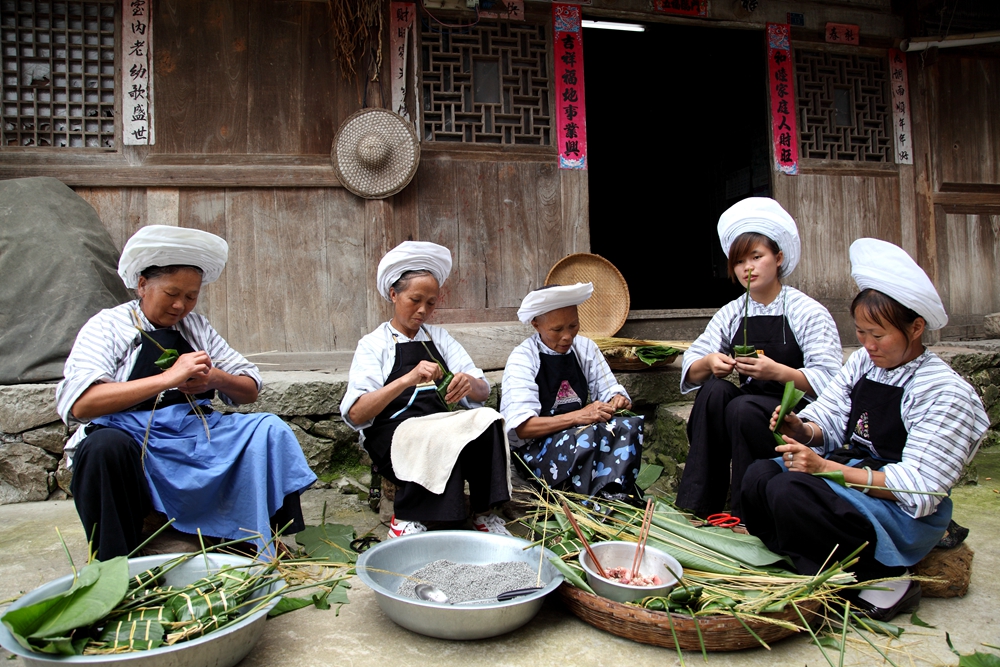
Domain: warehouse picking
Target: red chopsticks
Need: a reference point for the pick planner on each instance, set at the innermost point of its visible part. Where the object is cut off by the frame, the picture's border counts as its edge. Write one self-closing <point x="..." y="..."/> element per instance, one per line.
<point x="640" y="545"/>
<point x="579" y="533"/>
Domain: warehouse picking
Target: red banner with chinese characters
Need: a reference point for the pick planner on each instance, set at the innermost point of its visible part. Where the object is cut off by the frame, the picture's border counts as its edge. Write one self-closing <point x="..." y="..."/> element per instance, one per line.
<point x="779" y="83"/>
<point x="900" y="85"/>
<point x="571" y="107"/>
<point x="402" y="17"/>
<point x="682" y="7"/>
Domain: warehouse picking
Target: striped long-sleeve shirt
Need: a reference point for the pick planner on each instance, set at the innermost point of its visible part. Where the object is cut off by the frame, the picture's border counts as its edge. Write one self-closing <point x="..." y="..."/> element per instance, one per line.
<point x="519" y="393"/>
<point x="943" y="417"/>
<point x="376" y="355"/>
<point x="107" y="347"/>
<point x="810" y="322"/>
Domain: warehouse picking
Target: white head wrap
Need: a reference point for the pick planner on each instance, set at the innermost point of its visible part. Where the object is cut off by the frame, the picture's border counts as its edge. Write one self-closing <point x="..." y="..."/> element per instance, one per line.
<point x="882" y="266"/>
<point x="412" y="256"/>
<point x="163" y="245"/>
<point x="547" y="299"/>
<point x="764" y="216"/>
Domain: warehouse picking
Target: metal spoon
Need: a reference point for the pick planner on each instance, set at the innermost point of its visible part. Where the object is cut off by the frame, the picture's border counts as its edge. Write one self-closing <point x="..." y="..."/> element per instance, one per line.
<point x="434" y="594"/>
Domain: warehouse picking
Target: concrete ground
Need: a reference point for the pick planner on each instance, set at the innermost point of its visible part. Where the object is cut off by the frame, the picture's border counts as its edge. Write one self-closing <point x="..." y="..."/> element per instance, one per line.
<point x="30" y="555"/>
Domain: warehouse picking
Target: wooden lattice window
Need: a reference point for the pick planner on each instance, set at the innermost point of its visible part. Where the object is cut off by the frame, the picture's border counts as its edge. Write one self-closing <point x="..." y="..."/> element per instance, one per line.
<point x="58" y="73"/>
<point x="844" y="106"/>
<point x="487" y="84"/>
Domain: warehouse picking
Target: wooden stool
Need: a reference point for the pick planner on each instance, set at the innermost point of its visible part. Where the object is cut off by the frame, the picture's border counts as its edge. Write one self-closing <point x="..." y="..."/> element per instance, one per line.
<point x="951" y="567"/>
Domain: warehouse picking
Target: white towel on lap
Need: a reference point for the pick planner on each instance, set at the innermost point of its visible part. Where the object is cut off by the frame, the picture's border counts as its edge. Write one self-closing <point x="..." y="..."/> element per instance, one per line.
<point x="425" y="449"/>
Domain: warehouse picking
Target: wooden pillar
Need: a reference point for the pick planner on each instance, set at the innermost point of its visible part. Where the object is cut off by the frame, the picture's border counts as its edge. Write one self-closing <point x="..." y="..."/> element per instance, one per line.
<point x="575" y="193"/>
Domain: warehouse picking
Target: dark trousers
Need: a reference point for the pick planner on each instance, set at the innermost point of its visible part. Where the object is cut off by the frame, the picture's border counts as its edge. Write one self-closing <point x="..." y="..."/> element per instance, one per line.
<point x="800" y="516"/>
<point x="728" y="427"/>
<point x="483" y="463"/>
<point x="112" y="495"/>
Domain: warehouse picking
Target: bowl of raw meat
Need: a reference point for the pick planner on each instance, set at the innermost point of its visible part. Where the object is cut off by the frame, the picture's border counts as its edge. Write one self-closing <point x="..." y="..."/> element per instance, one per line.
<point x="655" y="576"/>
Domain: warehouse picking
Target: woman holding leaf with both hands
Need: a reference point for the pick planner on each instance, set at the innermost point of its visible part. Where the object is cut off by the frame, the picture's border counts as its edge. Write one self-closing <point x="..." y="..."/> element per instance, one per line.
<point x="790" y="336"/>
<point x="406" y="379"/>
<point x="142" y="374"/>
<point x="874" y="457"/>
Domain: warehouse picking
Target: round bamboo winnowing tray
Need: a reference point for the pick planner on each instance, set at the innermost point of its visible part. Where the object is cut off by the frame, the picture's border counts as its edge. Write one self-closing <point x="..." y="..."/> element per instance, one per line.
<point x="616" y="363"/>
<point x="719" y="632"/>
<point x="605" y="312"/>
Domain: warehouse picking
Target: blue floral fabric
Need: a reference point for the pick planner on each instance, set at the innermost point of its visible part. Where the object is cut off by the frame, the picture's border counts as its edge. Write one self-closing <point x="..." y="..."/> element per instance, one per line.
<point x="586" y="459"/>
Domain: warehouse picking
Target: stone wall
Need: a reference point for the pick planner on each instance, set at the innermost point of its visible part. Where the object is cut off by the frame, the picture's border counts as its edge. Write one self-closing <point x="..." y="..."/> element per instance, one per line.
<point x="32" y="437"/>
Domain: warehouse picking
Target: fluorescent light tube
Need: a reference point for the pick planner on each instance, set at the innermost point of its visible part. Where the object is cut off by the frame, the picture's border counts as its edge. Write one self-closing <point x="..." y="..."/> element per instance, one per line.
<point x="612" y="25"/>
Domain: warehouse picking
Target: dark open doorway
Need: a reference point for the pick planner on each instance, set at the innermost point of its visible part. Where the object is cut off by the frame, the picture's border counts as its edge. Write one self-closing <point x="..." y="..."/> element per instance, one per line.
<point x="677" y="132"/>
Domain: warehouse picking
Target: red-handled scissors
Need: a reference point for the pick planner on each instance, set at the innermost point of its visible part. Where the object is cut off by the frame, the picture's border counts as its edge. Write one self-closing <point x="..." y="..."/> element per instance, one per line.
<point x="723" y="520"/>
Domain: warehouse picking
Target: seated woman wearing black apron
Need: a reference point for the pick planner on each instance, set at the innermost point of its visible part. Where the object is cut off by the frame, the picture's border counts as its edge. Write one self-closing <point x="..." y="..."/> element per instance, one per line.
<point x="795" y="338"/>
<point x="407" y="426"/>
<point x="559" y="400"/>
<point x="896" y="418"/>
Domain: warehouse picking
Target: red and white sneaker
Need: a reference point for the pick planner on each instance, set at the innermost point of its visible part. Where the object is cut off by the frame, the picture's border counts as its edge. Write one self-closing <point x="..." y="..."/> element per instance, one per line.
<point x="402" y="528"/>
<point x="490" y="523"/>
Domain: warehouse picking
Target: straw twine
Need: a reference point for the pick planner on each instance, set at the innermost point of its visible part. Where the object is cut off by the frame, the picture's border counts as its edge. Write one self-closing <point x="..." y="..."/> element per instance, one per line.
<point x="375" y="153"/>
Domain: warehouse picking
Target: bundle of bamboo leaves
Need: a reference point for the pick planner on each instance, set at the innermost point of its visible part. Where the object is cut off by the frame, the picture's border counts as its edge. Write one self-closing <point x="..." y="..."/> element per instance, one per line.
<point x="647" y="351"/>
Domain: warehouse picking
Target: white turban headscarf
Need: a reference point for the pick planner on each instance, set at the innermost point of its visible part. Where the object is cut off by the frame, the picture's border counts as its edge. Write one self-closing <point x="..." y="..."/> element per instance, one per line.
<point x="764" y="216"/>
<point x="882" y="266"/>
<point x="547" y="299"/>
<point x="413" y="256"/>
<point x="163" y="245"/>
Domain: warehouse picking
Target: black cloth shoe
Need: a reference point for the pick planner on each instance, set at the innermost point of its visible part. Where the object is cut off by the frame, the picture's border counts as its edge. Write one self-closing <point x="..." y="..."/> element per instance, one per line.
<point x="908" y="603"/>
<point x="956" y="535"/>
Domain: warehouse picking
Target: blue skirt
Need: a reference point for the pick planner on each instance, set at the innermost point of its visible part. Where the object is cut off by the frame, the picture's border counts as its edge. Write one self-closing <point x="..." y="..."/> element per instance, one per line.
<point x="228" y="486"/>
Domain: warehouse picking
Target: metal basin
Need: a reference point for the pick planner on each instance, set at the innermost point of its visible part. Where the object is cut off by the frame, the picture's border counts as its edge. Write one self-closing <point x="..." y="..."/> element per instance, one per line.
<point x="222" y="648"/>
<point x="620" y="554"/>
<point x="384" y="567"/>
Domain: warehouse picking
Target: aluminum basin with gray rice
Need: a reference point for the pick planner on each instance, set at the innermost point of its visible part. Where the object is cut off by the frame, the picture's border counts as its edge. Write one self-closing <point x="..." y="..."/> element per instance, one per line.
<point x="221" y="648"/>
<point x="621" y="554"/>
<point x="384" y="567"/>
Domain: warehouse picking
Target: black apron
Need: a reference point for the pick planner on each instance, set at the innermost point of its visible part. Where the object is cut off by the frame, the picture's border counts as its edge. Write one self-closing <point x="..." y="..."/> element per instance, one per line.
<point x="583" y="459"/>
<point x="483" y="462"/>
<point x="875" y="431"/>
<point x="145" y="366"/>
<point x="720" y="452"/>
<point x="771" y="334"/>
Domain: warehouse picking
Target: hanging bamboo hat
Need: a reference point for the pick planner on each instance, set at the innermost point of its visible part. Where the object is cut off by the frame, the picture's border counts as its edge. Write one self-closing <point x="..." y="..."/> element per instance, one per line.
<point x="375" y="153"/>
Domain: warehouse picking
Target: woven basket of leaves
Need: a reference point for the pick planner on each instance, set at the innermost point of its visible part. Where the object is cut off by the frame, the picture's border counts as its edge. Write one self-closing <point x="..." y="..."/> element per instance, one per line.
<point x="633" y="354"/>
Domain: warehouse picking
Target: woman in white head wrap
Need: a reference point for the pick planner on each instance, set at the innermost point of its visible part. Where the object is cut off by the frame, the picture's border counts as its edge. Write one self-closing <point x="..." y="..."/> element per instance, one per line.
<point x="398" y="397"/>
<point x="897" y="422"/>
<point x="559" y="400"/>
<point x="795" y="339"/>
<point x="146" y="447"/>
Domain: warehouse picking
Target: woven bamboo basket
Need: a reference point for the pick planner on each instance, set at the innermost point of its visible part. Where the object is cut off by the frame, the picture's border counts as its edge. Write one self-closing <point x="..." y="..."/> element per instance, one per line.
<point x="604" y="313"/>
<point x="719" y="632"/>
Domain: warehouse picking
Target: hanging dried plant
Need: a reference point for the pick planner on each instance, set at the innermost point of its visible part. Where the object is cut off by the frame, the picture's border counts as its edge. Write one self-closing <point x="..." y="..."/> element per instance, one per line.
<point x="357" y="28"/>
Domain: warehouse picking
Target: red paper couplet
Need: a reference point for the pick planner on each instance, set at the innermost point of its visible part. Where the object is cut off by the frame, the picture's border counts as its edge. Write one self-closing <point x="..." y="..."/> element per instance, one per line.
<point x="571" y="107"/>
<point x="782" y="89"/>
<point x="682" y="7"/>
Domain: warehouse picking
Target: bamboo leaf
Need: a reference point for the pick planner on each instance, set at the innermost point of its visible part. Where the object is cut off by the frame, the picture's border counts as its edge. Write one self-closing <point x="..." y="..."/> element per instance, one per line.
<point x="648" y="474"/>
<point x="978" y="659"/>
<point x="789" y="400"/>
<point x="836" y="476"/>
<point x="571" y="575"/>
<point x="167" y="359"/>
<point x="330" y="540"/>
<point x="97" y="591"/>
<point x="650" y="354"/>
<point x="916" y="620"/>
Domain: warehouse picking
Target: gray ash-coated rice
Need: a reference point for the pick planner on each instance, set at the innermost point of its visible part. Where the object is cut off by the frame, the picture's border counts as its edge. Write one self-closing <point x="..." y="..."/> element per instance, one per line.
<point x="464" y="581"/>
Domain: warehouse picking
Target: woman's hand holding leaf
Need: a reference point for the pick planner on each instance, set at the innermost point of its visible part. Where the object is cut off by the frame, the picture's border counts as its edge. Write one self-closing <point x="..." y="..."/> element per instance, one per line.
<point x="799" y="458"/>
<point x="193" y="367"/>
<point x="425" y="371"/>
<point x="460" y="387"/>
<point x="619" y="402"/>
<point x="594" y="413"/>
<point x="759" y="368"/>
<point x="720" y="364"/>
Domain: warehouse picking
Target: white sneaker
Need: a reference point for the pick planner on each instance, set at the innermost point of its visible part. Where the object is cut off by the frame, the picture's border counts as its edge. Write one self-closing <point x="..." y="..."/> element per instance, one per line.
<point x="402" y="528"/>
<point x="490" y="523"/>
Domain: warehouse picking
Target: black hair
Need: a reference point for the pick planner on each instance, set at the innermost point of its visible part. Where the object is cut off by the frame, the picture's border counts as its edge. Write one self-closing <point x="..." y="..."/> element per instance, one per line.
<point x="153" y="272"/>
<point x="744" y="244"/>
<point x="404" y="280"/>
<point x="883" y="309"/>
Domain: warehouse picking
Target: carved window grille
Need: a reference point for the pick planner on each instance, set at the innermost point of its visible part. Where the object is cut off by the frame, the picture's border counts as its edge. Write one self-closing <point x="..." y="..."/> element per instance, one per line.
<point x="844" y="105"/>
<point x="487" y="84"/>
<point x="58" y="68"/>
